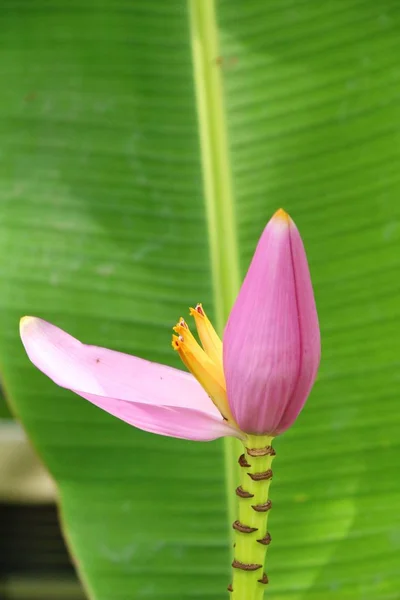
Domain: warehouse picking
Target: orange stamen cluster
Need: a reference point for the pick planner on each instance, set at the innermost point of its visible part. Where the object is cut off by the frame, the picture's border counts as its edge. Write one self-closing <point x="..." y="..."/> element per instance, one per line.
<point x="204" y="362"/>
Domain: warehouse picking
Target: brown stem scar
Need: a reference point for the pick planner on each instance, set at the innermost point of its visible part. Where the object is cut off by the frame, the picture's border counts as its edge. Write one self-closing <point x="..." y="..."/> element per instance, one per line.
<point x="261" y="476"/>
<point x="242" y="461"/>
<point x="243" y="528"/>
<point x="264" y="579"/>
<point x="262" y="507"/>
<point x="266" y="451"/>
<point x="245" y="566"/>
<point x="266" y="540"/>
<point x="242" y="493"/>
<point x="230" y="588"/>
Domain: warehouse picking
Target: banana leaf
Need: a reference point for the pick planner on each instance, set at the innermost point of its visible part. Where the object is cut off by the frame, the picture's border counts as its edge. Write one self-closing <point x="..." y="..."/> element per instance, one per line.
<point x="144" y="145"/>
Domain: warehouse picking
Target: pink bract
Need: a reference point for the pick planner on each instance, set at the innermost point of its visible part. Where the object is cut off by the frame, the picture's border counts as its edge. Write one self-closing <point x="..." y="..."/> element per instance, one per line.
<point x="271" y="344"/>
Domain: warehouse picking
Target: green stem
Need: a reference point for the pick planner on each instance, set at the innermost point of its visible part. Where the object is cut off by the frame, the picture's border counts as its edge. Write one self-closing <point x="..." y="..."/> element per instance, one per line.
<point x="217" y="181"/>
<point x="251" y="547"/>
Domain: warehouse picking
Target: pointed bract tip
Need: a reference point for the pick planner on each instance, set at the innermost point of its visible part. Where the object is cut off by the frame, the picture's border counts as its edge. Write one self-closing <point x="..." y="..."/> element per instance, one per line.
<point x="282" y="215"/>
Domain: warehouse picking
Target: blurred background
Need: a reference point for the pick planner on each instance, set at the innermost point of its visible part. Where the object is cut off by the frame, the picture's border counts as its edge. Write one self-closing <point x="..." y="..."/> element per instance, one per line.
<point x="105" y="231"/>
<point x="34" y="562"/>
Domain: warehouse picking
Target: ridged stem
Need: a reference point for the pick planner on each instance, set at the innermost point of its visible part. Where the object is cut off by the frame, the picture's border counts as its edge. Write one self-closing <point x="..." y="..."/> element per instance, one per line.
<point x="251" y="534"/>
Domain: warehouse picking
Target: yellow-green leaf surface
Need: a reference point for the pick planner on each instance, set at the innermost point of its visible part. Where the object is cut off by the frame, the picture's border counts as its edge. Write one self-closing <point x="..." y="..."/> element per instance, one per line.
<point x="107" y="229"/>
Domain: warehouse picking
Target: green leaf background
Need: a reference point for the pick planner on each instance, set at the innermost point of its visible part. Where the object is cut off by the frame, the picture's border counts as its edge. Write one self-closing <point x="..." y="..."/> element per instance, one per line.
<point x="104" y="231"/>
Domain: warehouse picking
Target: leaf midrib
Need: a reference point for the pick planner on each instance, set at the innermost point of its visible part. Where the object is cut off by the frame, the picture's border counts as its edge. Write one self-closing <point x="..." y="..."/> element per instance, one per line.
<point x="217" y="182"/>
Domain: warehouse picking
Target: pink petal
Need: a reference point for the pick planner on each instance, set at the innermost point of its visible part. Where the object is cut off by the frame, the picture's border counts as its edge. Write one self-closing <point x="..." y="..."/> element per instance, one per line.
<point x="172" y="421"/>
<point x="148" y="395"/>
<point x="103" y="372"/>
<point x="271" y="342"/>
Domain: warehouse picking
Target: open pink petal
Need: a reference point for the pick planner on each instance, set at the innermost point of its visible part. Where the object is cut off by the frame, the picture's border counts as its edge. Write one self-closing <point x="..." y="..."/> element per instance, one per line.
<point x="103" y="372"/>
<point x="148" y="395"/>
<point x="171" y="421"/>
<point x="271" y="343"/>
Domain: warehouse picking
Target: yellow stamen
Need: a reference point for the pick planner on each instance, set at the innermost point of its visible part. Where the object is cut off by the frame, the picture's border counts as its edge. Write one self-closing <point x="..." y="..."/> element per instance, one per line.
<point x="207" y="334"/>
<point x="207" y="373"/>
